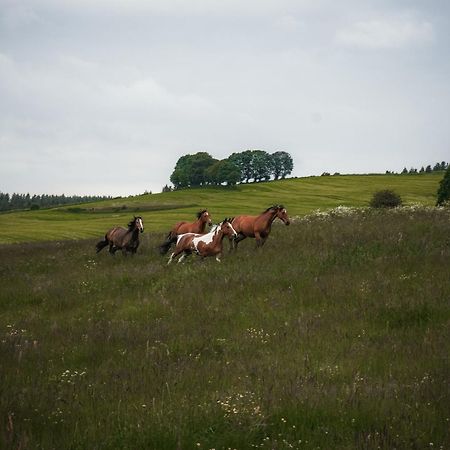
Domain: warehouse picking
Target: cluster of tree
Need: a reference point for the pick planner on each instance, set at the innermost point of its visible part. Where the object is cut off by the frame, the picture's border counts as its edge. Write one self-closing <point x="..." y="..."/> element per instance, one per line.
<point x="26" y="201"/>
<point x="438" y="167"/>
<point x="257" y="165"/>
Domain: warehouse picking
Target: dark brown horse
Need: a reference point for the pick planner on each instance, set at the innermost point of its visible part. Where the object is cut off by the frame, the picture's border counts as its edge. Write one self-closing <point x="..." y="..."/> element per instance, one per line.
<point x="258" y="227"/>
<point x="119" y="238"/>
<point x="198" y="227"/>
<point x="209" y="244"/>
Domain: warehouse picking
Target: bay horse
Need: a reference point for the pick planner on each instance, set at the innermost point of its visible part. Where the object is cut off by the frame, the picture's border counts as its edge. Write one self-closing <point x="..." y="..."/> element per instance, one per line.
<point x="209" y="244"/>
<point x="198" y="227"/>
<point x="119" y="238"/>
<point x="258" y="227"/>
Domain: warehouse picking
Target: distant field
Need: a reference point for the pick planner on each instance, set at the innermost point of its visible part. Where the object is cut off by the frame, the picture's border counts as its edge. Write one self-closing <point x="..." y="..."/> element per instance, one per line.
<point x="335" y="335"/>
<point x="160" y="211"/>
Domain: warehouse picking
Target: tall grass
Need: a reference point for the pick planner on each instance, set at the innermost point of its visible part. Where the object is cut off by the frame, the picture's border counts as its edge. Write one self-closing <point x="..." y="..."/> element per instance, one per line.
<point x="334" y="335"/>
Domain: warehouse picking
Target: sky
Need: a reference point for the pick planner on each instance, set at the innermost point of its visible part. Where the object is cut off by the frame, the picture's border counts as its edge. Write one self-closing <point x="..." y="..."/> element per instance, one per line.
<point x="103" y="96"/>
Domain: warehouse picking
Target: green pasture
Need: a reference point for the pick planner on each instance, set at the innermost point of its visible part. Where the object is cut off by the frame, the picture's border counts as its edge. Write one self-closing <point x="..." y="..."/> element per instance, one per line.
<point x="160" y="211"/>
<point x="334" y="335"/>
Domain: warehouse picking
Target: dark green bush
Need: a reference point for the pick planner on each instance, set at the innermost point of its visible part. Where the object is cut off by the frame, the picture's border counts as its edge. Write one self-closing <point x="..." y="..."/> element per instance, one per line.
<point x="385" y="199"/>
<point x="443" y="195"/>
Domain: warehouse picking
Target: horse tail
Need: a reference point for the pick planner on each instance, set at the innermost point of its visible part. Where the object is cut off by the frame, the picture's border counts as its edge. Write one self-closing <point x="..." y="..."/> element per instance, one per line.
<point x="102" y="244"/>
<point x="170" y="239"/>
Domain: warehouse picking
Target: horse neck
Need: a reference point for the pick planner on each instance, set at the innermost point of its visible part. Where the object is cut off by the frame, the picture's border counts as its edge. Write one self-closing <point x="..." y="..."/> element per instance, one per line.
<point x="218" y="238"/>
<point x="268" y="217"/>
<point x="201" y="225"/>
<point x="134" y="234"/>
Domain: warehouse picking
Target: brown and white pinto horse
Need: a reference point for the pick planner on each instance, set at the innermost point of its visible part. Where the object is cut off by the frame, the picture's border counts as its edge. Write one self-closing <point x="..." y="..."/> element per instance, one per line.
<point x="198" y="227"/>
<point x="209" y="244"/>
<point x="119" y="238"/>
<point x="258" y="227"/>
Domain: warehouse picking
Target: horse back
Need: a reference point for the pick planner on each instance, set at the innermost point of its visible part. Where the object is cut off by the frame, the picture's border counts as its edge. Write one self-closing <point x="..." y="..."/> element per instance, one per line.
<point x="115" y="234"/>
<point x="184" y="241"/>
<point x="179" y="228"/>
<point x="187" y="227"/>
<point x="245" y="225"/>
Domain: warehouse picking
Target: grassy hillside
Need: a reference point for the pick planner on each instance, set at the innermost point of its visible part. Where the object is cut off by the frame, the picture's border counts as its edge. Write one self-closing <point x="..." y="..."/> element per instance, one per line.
<point x="160" y="211"/>
<point x="335" y="335"/>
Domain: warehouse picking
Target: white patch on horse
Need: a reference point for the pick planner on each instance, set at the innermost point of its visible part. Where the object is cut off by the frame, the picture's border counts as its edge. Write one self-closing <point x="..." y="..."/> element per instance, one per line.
<point x="234" y="231"/>
<point x="206" y="238"/>
<point x="180" y="236"/>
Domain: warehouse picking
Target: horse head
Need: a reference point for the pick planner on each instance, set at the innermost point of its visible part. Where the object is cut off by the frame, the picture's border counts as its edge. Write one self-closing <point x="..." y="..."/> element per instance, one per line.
<point x="204" y="216"/>
<point x="282" y="214"/>
<point x="137" y="223"/>
<point x="227" y="229"/>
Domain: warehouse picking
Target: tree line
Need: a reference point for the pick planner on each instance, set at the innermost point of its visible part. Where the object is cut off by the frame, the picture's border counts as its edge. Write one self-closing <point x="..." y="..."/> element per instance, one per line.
<point x="438" y="167"/>
<point x="251" y="165"/>
<point x="27" y="201"/>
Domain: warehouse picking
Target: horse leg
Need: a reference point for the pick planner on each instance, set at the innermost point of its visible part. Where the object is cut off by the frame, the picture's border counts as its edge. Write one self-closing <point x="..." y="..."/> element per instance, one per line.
<point x="259" y="240"/>
<point x="185" y="254"/>
<point x="170" y="258"/>
<point x="174" y="255"/>
<point x="218" y="256"/>
<point x="240" y="237"/>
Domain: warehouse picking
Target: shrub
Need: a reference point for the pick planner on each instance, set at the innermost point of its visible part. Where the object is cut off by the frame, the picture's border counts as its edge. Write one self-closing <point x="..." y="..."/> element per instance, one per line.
<point x="443" y="194"/>
<point x="385" y="199"/>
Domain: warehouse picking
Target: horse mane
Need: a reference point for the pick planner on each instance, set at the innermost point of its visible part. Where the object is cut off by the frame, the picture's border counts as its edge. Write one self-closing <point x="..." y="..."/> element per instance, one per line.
<point x="199" y="214"/>
<point x="274" y="207"/>
<point x="214" y="228"/>
<point x="217" y="225"/>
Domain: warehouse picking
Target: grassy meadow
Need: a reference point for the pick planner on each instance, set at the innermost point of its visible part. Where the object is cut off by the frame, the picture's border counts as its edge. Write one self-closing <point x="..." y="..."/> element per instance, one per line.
<point x="160" y="211"/>
<point x="335" y="335"/>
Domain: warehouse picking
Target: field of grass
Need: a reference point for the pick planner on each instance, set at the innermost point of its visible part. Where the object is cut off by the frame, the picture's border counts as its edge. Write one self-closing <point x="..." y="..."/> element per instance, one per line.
<point x="161" y="211"/>
<point x="335" y="335"/>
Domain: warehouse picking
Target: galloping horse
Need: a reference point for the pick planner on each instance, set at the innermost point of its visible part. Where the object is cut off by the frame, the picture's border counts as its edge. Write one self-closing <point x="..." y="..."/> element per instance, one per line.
<point x="204" y="245"/>
<point x="121" y="238"/>
<point x="197" y="227"/>
<point x="257" y="227"/>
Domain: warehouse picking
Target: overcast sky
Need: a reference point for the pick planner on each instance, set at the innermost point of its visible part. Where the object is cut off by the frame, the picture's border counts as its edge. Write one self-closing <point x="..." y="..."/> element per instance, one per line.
<point x="103" y="96"/>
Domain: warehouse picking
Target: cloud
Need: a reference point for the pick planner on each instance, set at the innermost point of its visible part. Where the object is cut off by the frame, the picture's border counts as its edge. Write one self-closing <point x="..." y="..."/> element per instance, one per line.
<point x="77" y="115"/>
<point x="288" y="23"/>
<point x="177" y="7"/>
<point x="105" y="95"/>
<point x="17" y="15"/>
<point x="386" y="33"/>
